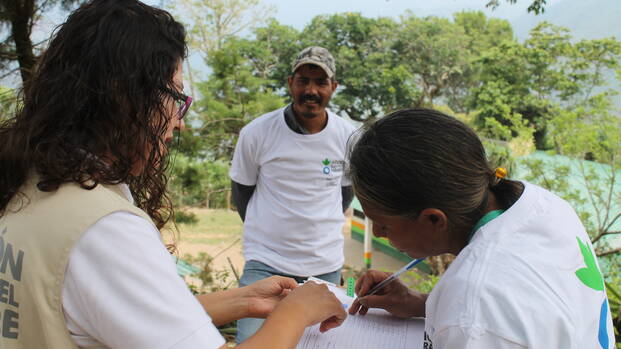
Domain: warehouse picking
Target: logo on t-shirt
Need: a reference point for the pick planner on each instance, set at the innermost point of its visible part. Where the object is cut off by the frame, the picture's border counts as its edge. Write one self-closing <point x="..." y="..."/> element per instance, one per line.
<point x="326" y="166"/>
<point x="330" y="166"/>
<point x="427" y="344"/>
<point x="591" y="277"/>
<point x="12" y="258"/>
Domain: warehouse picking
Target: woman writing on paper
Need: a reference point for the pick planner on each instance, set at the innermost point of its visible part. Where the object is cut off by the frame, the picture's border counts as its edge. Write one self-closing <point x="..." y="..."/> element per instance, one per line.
<point x="524" y="276"/>
<point x="83" y="196"/>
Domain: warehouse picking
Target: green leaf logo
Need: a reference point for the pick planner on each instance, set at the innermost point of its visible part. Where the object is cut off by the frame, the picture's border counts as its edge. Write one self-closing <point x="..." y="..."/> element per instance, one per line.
<point x="326" y="162"/>
<point x="590" y="276"/>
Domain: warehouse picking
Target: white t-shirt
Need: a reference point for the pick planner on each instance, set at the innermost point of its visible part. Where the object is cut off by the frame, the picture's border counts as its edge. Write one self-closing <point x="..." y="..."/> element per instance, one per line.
<point x="121" y="290"/>
<point x="515" y="284"/>
<point x="295" y="216"/>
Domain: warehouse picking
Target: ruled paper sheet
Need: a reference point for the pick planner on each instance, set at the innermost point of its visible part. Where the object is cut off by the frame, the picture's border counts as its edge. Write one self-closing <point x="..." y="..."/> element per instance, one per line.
<point x="376" y="329"/>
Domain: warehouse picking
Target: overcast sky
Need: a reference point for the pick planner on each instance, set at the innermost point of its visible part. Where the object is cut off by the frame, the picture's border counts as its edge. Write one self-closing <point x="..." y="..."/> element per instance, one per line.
<point x="299" y="13"/>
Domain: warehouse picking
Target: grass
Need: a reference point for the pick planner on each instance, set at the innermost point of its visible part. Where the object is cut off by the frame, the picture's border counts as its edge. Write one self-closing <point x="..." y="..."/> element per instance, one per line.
<point x="213" y="227"/>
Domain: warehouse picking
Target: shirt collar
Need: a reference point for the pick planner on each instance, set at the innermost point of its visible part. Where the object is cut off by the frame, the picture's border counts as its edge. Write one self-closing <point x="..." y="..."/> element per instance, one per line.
<point x="292" y="122"/>
<point x="124" y="188"/>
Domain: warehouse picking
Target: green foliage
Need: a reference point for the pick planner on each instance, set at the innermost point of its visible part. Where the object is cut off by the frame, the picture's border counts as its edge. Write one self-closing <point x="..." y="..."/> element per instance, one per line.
<point x="233" y="96"/>
<point x="499" y="155"/>
<point x="423" y="283"/>
<point x="549" y="92"/>
<point x="361" y="45"/>
<point x="272" y="52"/>
<point x="8" y="103"/>
<point x="530" y="84"/>
<point x="211" y="281"/>
<point x="196" y="182"/>
<point x="537" y="6"/>
<point x="592" y="131"/>
<point x="435" y="52"/>
<point x="415" y="61"/>
<point x="185" y="217"/>
<point x="205" y="275"/>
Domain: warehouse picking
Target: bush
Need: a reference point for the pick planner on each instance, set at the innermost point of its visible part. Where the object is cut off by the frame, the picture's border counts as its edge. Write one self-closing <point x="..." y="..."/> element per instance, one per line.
<point x="185" y="217"/>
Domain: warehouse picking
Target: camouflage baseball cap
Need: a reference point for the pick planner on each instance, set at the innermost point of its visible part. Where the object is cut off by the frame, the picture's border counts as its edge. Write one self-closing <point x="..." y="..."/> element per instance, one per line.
<point x="318" y="56"/>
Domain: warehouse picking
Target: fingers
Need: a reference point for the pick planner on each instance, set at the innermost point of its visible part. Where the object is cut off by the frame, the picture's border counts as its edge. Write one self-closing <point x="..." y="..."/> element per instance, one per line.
<point x="358" y="307"/>
<point x="321" y="306"/>
<point x="330" y="323"/>
<point x="363" y="310"/>
<point x="285" y="282"/>
<point x="355" y="306"/>
<point x="334" y="321"/>
<point x="368" y="280"/>
<point x="375" y="301"/>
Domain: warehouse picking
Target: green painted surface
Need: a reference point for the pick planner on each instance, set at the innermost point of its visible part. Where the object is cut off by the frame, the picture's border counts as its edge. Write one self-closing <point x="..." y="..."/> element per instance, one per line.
<point x="184" y="269"/>
<point x="357" y="230"/>
<point x="575" y="179"/>
<point x="384" y="246"/>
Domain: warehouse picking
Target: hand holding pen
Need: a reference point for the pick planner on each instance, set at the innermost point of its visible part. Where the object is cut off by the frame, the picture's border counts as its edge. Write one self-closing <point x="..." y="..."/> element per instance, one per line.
<point x="378" y="289"/>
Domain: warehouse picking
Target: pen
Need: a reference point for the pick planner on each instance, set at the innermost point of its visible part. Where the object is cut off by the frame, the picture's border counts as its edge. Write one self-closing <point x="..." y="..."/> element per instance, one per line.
<point x="394" y="276"/>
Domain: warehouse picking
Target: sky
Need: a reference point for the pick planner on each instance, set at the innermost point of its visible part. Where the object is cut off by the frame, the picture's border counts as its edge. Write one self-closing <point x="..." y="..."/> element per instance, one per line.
<point x="299" y="13"/>
<point x="302" y="12"/>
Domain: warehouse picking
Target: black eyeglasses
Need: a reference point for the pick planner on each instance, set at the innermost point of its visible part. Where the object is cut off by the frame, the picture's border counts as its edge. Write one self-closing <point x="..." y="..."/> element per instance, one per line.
<point x="182" y="100"/>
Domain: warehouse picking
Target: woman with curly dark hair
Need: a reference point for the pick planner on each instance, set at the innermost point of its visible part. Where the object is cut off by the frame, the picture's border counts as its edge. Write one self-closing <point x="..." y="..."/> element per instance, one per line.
<point x="83" y="195"/>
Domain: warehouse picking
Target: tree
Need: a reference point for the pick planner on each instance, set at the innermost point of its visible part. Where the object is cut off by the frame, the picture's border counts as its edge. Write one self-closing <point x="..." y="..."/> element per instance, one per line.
<point x="362" y="45"/>
<point x="537" y="6"/>
<point x="20" y="16"/>
<point x="212" y="22"/>
<point x="271" y="53"/>
<point x="536" y="80"/>
<point x="593" y="131"/>
<point x="232" y="96"/>
<point x="199" y="183"/>
<point x="435" y="52"/>
<point x="481" y="35"/>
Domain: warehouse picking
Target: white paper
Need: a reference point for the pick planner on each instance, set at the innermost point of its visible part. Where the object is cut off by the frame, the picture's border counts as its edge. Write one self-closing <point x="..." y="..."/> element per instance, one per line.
<point x="376" y="329"/>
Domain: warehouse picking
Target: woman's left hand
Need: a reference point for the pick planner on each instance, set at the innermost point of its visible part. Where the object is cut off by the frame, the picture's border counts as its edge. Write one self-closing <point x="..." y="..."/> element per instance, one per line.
<point x="263" y="295"/>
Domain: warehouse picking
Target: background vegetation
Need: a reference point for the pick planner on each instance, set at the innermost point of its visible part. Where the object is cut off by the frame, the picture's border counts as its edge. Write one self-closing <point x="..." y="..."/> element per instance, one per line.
<point x="544" y="104"/>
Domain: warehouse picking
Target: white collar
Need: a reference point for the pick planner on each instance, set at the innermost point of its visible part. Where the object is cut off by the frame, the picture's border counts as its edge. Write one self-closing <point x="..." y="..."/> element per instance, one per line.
<point x="126" y="191"/>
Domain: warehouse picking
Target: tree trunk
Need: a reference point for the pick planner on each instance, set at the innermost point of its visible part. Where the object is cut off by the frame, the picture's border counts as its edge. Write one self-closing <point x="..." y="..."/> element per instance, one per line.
<point x="22" y="14"/>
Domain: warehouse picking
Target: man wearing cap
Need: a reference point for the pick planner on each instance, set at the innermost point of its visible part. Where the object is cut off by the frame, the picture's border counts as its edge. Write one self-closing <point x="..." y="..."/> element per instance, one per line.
<point x="288" y="182"/>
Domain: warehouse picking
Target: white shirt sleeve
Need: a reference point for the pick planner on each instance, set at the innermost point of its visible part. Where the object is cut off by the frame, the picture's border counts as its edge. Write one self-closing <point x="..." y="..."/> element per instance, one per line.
<point x="245" y="167"/>
<point x="467" y="338"/>
<point x="121" y="290"/>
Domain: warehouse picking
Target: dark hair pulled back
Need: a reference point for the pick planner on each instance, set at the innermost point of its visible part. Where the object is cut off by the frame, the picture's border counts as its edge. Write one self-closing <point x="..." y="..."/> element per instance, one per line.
<point x="414" y="159"/>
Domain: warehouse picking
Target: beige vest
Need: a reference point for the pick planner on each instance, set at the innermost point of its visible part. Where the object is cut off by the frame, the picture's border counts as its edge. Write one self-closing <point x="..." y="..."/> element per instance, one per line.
<point x="35" y="242"/>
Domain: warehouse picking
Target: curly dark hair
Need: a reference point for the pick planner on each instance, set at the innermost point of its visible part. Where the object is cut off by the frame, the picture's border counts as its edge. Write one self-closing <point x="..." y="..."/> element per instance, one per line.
<point x="96" y="106"/>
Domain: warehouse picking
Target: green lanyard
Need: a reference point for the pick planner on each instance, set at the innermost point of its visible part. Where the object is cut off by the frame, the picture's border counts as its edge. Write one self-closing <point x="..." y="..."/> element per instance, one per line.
<point x="484" y="220"/>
